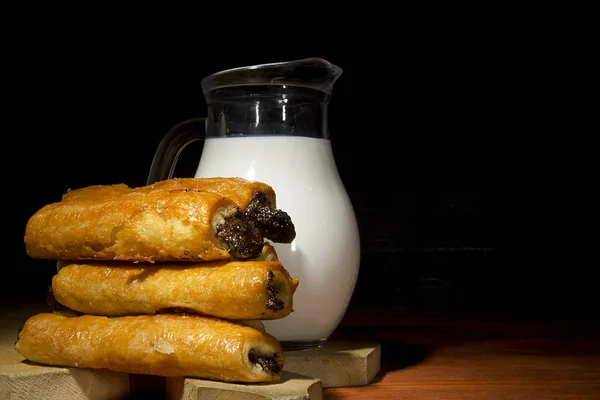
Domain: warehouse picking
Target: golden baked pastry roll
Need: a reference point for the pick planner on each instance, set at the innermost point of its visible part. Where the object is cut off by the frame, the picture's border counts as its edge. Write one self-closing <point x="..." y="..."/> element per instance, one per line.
<point x="255" y="199"/>
<point x="157" y="225"/>
<point x="162" y="344"/>
<point x="232" y="290"/>
<point x="58" y="308"/>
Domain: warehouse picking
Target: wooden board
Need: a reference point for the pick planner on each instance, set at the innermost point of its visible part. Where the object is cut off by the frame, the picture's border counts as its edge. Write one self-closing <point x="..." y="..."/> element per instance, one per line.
<point x="337" y="363"/>
<point x="290" y="387"/>
<point x="29" y="382"/>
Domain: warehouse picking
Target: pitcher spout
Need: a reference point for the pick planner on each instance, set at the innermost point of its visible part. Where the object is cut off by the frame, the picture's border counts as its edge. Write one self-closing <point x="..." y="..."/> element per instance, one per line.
<point x="312" y="73"/>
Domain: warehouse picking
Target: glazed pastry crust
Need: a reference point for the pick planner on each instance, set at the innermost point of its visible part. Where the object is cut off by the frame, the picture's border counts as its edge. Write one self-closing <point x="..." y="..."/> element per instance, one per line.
<point x="164" y="344"/>
<point x="158" y="225"/>
<point x="239" y="190"/>
<point x="232" y="290"/>
<point x="96" y="192"/>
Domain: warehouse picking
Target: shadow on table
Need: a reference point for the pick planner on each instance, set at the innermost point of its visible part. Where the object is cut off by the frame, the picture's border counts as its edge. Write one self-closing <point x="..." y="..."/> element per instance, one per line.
<point x="398" y="355"/>
<point x="395" y="353"/>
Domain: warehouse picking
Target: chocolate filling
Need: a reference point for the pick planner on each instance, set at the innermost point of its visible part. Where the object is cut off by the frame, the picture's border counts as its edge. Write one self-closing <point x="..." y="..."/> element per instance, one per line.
<point x="273" y="303"/>
<point x="274" y="224"/>
<point x="242" y="236"/>
<point x="268" y="363"/>
<point x="244" y="233"/>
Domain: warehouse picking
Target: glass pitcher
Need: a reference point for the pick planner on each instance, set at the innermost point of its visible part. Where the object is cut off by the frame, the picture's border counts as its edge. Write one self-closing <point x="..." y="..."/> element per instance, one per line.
<point x="269" y="123"/>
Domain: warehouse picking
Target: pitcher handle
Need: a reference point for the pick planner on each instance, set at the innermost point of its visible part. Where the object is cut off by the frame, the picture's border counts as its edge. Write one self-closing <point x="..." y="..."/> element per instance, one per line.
<point x="171" y="146"/>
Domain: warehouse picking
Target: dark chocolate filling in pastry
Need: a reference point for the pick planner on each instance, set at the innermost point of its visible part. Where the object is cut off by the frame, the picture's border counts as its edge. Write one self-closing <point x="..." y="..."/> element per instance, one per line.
<point x="268" y="363"/>
<point x="244" y="233"/>
<point x="243" y="238"/>
<point x="273" y="303"/>
<point x="274" y="224"/>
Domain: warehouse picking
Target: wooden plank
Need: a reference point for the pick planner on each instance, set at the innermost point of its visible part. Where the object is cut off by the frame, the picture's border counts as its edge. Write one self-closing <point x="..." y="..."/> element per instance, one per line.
<point x="338" y="363"/>
<point x="21" y="380"/>
<point x="290" y="387"/>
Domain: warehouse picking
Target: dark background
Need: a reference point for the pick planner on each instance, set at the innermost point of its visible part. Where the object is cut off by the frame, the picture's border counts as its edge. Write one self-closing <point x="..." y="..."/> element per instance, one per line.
<point x="435" y="111"/>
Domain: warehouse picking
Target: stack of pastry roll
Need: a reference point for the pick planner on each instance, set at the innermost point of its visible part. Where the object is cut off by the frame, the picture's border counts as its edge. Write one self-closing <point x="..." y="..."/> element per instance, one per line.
<point x="168" y="279"/>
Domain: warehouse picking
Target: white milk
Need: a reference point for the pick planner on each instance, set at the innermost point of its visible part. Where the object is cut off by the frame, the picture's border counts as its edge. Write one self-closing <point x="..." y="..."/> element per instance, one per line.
<point x="325" y="254"/>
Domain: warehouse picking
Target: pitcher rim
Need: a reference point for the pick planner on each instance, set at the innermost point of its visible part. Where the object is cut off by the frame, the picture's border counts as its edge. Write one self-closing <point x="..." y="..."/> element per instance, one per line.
<point x="208" y="82"/>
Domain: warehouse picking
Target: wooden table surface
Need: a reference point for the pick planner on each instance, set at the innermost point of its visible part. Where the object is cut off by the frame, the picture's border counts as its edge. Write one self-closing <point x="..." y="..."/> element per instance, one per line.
<point x="428" y="356"/>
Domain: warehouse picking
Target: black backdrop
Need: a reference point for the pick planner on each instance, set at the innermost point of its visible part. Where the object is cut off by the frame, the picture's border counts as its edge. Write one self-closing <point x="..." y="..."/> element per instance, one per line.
<point x="432" y="113"/>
